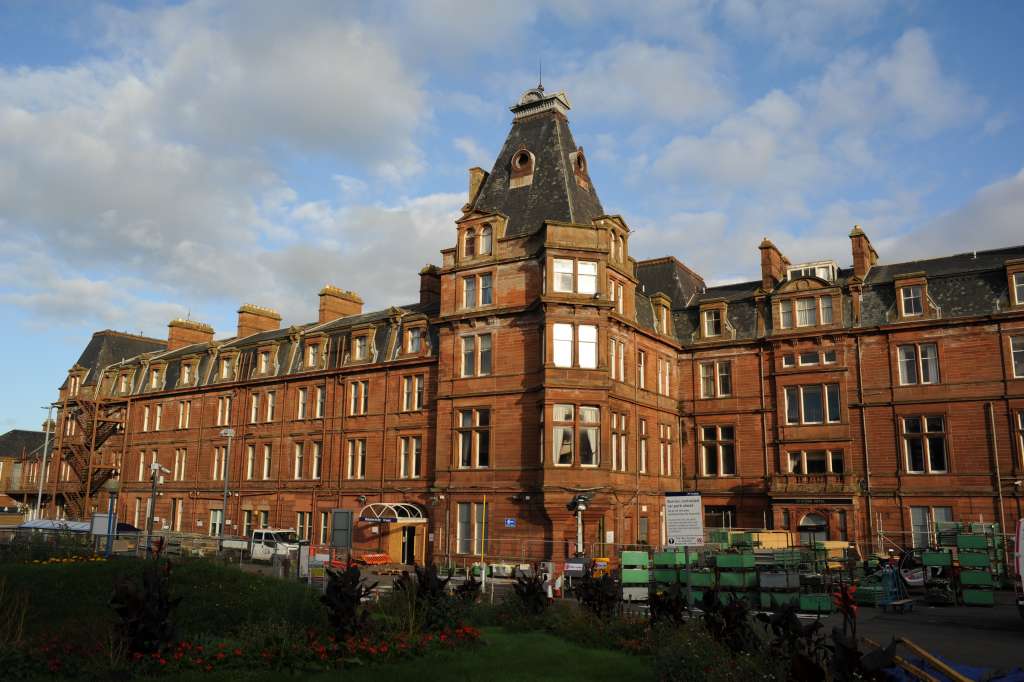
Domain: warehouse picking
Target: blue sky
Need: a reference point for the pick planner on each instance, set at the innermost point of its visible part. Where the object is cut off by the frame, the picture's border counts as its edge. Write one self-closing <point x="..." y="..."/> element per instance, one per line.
<point x="164" y="160"/>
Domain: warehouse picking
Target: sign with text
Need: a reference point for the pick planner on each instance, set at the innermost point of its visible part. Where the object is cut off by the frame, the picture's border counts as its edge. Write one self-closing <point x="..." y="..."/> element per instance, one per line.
<point x="684" y="521"/>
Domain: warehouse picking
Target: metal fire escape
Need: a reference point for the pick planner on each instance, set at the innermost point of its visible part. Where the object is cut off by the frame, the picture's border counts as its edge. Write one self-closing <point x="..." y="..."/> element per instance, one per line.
<point x="91" y="466"/>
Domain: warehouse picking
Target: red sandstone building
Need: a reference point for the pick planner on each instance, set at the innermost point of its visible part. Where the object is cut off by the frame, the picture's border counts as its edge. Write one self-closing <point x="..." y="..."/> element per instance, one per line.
<point x="542" y="362"/>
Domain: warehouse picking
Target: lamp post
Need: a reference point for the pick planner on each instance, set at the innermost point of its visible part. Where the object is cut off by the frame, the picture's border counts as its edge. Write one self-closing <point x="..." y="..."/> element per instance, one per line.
<point x="229" y="434"/>
<point x="42" y="469"/>
<point x="579" y="505"/>
<point x="154" y="477"/>
<point x="113" y="487"/>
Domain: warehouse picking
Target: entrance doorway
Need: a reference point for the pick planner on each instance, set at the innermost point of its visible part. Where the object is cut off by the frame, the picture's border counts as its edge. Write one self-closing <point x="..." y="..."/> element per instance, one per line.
<point x="408" y="545"/>
<point x="813" y="528"/>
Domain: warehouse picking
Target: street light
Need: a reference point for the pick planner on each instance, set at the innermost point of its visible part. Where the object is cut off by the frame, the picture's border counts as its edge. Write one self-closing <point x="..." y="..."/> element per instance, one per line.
<point x="229" y="434"/>
<point x="154" y="477"/>
<point x="113" y="487"/>
<point x="42" y="470"/>
<point x="578" y="504"/>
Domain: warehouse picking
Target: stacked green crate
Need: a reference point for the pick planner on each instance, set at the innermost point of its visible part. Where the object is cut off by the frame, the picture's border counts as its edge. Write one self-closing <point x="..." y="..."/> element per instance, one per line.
<point x="779" y="578"/>
<point x="974" y="553"/>
<point x="736" y="575"/>
<point x="669" y="567"/>
<point x="636" y="575"/>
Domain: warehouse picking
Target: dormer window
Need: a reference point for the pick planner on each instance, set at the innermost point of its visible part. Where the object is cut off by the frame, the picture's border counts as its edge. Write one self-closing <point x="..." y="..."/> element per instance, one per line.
<point x="360" y="345"/>
<point x="313" y="355"/>
<point x="521" y="170"/>
<point x="485" y="240"/>
<point x="825" y="271"/>
<point x="154" y="377"/>
<point x="187" y="373"/>
<point x="123" y="384"/>
<point x="910" y="300"/>
<point x="414" y="340"/>
<point x="226" y="367"/>
<point x="263" y="361"/>
<point x="712" y="323"/>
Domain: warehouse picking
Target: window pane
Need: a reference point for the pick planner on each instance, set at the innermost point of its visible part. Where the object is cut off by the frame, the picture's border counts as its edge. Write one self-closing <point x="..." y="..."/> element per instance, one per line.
<point x="724" y="378"/>
<point x="728" y="433"/>
<point x="587" y="272"/>
<point x="929" y="363"/>
<point x="912" y="300"/>
<point x="465" y="528"/>
<point x="915" y="455"/>
<point x="786" y="310"/>
<point x="590" y="415"/>
<point x="587" y="346"/>
<point x="563" y="275"/>
<point x="589" y="442"/>
<point x="788" y="360"/>
<point x="837" y="462"/>
<point x="832" y="391"/>
<point x="562" y="437"/>
<point x="707" y="380"/>
<point x="826" y="310"/>
<point x="728" y="459"/>
<point x="793" y="405"/>
<point x="933" y="424"/>
<point x="483" y="417"/>
<point x="937" y="453"/>
<point x="485" y="353"/>
<point x="830" y="357"/>
<point x="817" y="462"/>
<point x="466" y="448"/>
<point x="712" y="322"/>
<point x="709" y="432"/>
<point x="796" y="462"/>
<point x="809" y="358"/>
<point x="908" y="365"/>
<point x="805" y="312"/>
<point x="485" y="240"/>
<point x="483" y="444"/>
<point x="1018" y="285"/>
<point x="562" y="344"/>
<point x="710" y="459"/>
<point x="563" y="413"/>
<point x="469" y="292"/>
<point x="468" y="356"/>
<point x="466" y="418"/>
<point x="813" y="406"/>
<point x="912" y="425"/>
<point x="1017" y="350"/>
<point x="920" y="525"/>
<point x="485" y="289"/>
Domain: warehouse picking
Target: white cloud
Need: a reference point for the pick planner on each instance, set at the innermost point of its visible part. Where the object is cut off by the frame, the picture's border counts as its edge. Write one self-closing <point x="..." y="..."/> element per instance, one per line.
<point x="474" y="153"/>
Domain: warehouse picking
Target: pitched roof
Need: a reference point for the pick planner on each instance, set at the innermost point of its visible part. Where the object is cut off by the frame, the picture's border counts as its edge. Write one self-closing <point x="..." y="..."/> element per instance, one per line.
<point x="554" y="194"/>
<point x="670" y="277"/>
<point x="107" y="347"/>
<point x="18" y="442"/>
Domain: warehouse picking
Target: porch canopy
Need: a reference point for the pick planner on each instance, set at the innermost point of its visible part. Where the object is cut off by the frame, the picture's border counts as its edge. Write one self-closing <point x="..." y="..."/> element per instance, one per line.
<point x="392" y="512"/>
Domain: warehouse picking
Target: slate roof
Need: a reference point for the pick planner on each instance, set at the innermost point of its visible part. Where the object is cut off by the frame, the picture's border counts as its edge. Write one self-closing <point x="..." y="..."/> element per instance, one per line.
<point x="671" y="278"/>
<point x="108" y="347"/>
<point x="17" y="442"/>
<point x="554" y="194"/>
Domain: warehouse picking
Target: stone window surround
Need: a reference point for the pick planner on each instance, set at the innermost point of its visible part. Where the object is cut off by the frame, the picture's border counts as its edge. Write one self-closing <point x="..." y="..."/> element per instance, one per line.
<point x="365" y="331"/>
<point x="728" y="332"/>
<point x="928" y="311"/>
<point x="422" y="326"/>
<point x="817" y="295"/>
<point x="476" y="305"/>
<point x="317" y="338"/>
<point x="600" y="275"/>
<point x="904" y="460"/>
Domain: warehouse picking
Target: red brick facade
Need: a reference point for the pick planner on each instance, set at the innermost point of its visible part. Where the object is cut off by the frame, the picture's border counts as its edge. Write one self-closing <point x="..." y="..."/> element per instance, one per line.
<point x="590" y="372"/>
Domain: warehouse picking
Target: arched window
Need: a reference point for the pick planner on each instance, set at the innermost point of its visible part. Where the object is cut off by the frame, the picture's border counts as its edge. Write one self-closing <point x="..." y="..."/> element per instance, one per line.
<point x="469" y="243"/>
<point x="485" y="240"/>
<point x="813" y="528"/>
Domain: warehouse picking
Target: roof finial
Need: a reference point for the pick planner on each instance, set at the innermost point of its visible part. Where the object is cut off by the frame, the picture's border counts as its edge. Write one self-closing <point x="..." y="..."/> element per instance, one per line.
<point x="540" y="74"/>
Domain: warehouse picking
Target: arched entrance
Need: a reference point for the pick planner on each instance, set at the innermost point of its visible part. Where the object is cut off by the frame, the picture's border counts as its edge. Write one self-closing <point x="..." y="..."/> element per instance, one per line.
<point x="813" y="528"/>
<point x="402" y="529"/>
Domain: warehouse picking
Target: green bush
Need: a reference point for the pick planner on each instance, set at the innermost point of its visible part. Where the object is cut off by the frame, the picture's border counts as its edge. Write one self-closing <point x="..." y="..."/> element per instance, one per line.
<point x="691" y="653"/>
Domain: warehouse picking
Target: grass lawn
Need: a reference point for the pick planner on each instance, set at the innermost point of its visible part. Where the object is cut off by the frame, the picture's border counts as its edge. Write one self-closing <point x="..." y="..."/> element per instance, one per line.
<point x="502" y="657"/>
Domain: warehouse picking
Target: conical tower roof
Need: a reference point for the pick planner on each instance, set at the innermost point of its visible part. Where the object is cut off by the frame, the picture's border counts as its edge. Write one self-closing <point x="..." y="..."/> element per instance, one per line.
<point x="559" y="188"/>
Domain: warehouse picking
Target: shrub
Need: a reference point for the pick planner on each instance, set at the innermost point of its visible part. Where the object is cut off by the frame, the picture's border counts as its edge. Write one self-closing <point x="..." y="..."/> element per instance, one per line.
<point x="344" y="600"/>
<point x="530" y="593"/>
<point x="669" y="606"/>
<point x="13" y="610"/>
<point x="730" y="624"/>
<point x="600" y="596"/>
<point x="691" y="653"/>
<point x="144" y="609"/>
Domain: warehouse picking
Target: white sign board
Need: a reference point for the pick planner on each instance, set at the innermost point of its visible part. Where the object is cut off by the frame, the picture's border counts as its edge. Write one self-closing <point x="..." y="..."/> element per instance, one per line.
<point x="684" y="520"/>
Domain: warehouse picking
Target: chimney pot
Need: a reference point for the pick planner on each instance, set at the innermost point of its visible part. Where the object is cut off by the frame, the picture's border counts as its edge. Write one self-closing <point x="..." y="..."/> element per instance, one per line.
<point x="181" y="333"/>
<point x="864" y="255"/>
<point x="773" y="265"/>
<point x="336" y="303"/>
<point x="253" y="319"/>
<point x="430" y="285"/>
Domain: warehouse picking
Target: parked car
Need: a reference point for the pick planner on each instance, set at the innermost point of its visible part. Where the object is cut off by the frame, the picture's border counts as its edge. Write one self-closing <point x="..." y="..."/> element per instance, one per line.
<point x="265" y="544"/>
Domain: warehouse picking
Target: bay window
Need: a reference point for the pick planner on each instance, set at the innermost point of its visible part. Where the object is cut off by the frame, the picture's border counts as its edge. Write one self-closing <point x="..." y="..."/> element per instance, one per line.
<point x="804" y="462"/>
<point x="812" y="404"/>
<point x="573" y="276"/>
<point x="586" y="345"/>
<point x="567" y="422"/>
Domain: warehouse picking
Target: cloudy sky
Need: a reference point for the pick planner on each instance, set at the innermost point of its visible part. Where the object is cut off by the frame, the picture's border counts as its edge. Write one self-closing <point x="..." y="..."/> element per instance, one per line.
<point x="159" y="161"/>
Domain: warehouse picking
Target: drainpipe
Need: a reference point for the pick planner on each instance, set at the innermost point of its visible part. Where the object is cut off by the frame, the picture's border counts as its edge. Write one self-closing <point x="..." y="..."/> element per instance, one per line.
<point x="864" y="437"/>
<point x="999" y="478"/>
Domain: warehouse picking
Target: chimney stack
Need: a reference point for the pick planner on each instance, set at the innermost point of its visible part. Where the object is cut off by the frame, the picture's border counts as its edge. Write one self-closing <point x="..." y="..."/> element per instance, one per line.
<point x="336" y="303"/>
<point x="864" y="255"/>
<point x="477" y="176"/>
<point x="430" y="285"/>
<point x="181" y="333"/>
<point x="253" y="319"/>
<point x="773" y="265"/>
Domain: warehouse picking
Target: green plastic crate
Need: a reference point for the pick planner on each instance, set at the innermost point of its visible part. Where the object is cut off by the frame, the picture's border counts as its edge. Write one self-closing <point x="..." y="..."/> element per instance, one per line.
<point x="816" y="603"/>
<point x="735" y="560"/>
<point x="702" y="579"/>
<point x="730" y="597"/>
<point x="973" y="559"/>
<point x="979" y="578"/>
<point x="636" y="576"/>
<point x="668" y="575"/>
<point x="937" y="559"/>
<point x="776" y="600"/>
<point x="737" y="579"/>
<point x="964" y="541"/>
<point x="666" y="559"/>
<point x="635" y="559"/>
<point x="979" y="597"/>
<point x="742" y="539"/>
